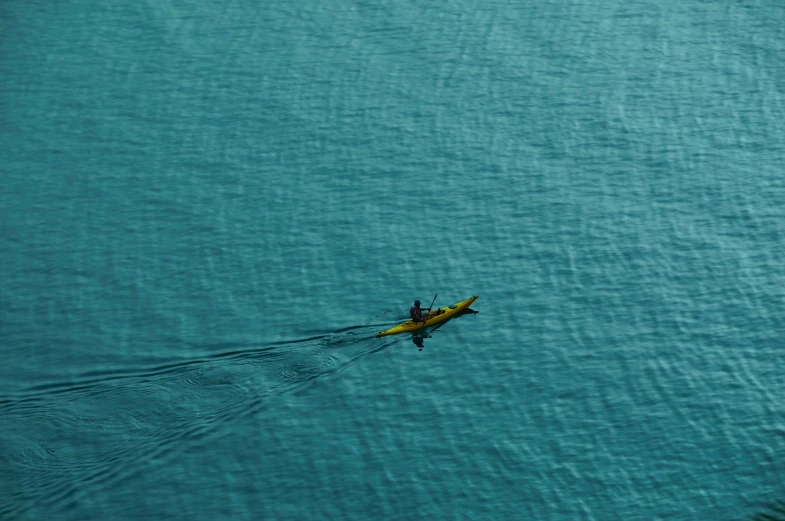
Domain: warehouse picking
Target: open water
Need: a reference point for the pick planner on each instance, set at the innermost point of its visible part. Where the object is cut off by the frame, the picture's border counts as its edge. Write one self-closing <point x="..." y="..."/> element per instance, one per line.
<point x="207" y="210"/>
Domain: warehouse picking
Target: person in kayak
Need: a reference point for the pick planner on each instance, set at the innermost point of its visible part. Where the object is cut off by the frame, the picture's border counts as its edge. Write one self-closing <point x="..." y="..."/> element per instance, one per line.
<point x="417" y="314"/>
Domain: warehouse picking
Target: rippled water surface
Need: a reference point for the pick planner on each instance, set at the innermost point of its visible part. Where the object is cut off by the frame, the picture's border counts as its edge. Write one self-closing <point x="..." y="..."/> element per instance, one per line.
<point x="208" y="211"/>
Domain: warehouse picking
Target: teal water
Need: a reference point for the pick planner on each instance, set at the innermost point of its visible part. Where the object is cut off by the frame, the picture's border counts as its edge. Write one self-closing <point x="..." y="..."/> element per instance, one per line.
<point x="208" y="210"/>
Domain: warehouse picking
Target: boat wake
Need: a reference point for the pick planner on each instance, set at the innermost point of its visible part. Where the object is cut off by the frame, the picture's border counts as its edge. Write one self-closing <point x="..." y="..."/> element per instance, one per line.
<point x="62" y="441"/>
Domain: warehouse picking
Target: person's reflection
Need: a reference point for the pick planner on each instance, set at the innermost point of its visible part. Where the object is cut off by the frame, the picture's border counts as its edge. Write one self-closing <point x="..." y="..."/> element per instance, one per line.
<point x="419" y="337"/>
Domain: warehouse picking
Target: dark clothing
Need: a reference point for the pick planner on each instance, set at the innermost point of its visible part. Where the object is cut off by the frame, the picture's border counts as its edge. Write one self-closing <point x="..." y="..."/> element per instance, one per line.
<point x="416" y="314"/>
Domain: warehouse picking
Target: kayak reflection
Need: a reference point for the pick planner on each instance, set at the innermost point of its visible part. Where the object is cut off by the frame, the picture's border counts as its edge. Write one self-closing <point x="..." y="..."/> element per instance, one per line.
<point x="419" y="336"/>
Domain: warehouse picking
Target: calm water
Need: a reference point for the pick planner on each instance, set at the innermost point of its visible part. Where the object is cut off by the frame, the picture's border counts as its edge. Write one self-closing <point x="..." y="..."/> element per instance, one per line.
<point x="208" y="210"/>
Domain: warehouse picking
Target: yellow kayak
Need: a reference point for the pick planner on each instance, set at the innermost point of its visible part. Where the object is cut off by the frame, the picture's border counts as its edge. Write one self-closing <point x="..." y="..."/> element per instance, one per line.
<point x="436" y="316"/>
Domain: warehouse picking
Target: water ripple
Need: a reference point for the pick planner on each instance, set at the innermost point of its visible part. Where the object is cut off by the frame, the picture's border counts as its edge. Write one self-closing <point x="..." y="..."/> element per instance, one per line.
<point x="61" y="440"/>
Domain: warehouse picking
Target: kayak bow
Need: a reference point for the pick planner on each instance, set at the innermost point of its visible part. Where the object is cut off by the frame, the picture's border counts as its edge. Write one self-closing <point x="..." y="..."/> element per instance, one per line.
<point x="436" y="316"/>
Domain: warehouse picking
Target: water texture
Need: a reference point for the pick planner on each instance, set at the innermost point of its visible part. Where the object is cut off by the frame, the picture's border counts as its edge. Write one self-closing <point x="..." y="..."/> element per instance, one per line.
<point x="208" y="210"/>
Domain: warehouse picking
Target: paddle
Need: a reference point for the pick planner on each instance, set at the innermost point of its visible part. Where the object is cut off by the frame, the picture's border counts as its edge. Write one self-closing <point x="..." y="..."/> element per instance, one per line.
<point x="429" y="310"/>
<point x="431" y="306"/>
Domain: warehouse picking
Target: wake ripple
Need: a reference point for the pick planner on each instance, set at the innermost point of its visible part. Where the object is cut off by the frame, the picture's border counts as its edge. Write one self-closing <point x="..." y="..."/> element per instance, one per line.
<point x="61" y="441"/>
